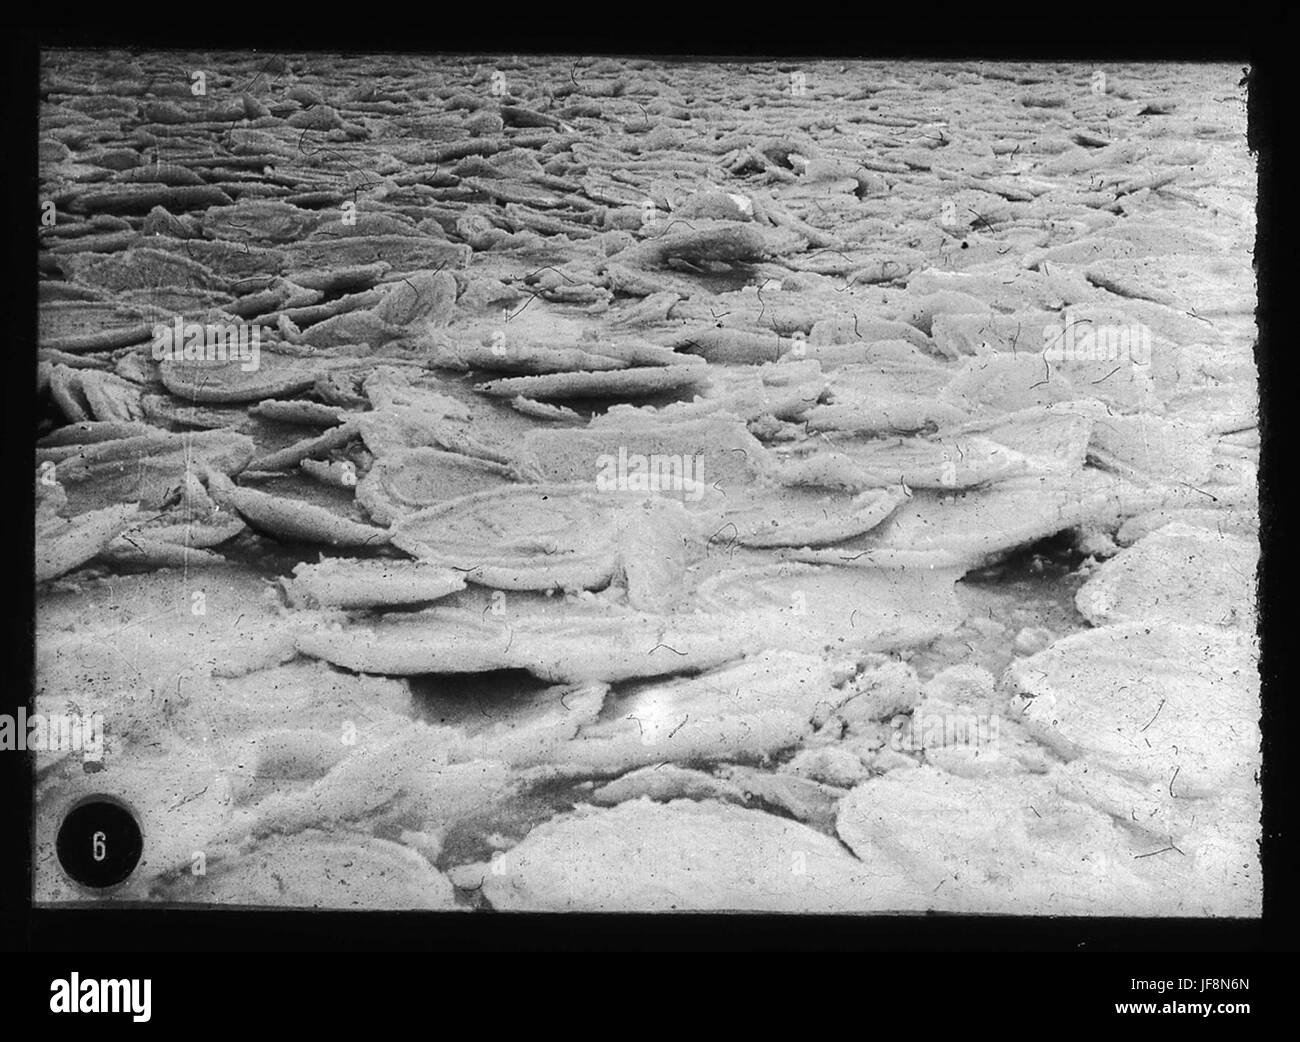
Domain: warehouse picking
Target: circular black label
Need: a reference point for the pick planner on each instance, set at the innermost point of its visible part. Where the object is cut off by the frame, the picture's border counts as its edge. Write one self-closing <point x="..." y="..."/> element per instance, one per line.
<point x="99" y="842"/>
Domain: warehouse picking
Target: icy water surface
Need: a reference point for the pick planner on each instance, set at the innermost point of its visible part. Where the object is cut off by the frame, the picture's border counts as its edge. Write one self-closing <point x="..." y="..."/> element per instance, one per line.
<point x="661" y="485"/>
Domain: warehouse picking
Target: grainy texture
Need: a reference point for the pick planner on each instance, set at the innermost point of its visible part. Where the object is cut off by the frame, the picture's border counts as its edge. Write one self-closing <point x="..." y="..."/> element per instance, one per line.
<point x="637" y="485"/>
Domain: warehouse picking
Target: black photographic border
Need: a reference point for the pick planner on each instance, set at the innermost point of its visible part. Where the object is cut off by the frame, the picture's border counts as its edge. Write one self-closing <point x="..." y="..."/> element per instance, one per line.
<point x="1252" y="34"/>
